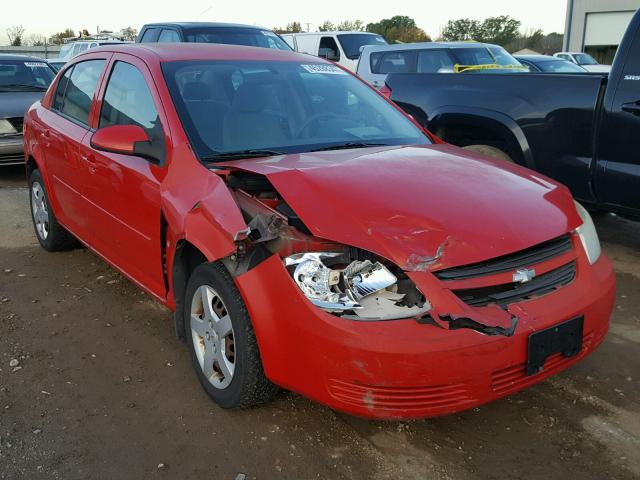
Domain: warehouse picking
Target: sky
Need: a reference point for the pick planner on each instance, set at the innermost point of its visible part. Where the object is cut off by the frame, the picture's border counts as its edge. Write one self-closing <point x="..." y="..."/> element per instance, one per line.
<point x="47" y="16"/>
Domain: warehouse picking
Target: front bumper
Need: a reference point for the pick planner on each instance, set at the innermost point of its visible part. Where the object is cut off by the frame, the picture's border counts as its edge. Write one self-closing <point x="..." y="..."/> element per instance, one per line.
<point x="403" y="369"/>
<point x="11" y="150"/>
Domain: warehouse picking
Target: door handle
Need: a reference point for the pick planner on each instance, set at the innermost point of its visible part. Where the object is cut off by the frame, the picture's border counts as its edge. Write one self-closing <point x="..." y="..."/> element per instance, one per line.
<point x="632" y="108"/>
<point x="90" y="160"/>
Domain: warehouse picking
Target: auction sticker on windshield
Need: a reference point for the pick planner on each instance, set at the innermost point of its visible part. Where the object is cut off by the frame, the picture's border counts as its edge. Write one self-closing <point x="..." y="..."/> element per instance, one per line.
<point x="323" y="68"/>
<point x="36" y="64"/>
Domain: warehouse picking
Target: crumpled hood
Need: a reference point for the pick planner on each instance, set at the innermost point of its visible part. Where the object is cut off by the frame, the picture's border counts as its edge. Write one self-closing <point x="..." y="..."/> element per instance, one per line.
<point x="422" y="207"/>
<point x="16" y="104"/>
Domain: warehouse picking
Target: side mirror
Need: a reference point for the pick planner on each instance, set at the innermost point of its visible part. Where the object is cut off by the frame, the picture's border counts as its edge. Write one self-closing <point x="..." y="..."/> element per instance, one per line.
<point x="127" y="140"/>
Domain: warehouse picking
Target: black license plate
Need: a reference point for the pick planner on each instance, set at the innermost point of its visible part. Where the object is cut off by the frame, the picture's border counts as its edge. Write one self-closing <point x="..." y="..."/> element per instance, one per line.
<point x="564" y="338"/>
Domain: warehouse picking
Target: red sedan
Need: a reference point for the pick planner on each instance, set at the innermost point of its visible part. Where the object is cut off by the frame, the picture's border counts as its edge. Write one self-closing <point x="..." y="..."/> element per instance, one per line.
<point x="309" y="235"/>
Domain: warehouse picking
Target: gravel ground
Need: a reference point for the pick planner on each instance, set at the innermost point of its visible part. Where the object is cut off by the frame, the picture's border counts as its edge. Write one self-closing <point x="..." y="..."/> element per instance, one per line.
<point x="93" y="384"/>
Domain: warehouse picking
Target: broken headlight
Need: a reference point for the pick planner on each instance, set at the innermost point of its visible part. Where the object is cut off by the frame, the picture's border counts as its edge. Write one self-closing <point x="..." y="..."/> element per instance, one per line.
<point x="358" y="289"/>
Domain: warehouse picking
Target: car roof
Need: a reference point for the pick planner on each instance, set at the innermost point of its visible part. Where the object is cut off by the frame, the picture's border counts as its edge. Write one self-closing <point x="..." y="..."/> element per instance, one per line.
<point x="188" y="25"/>
<point x="538" y="58"/>
<point x="332" y="32"/>
<point x="22" y="58"/>
<point x="427" y="45"/>
<point x="169" y="52"/>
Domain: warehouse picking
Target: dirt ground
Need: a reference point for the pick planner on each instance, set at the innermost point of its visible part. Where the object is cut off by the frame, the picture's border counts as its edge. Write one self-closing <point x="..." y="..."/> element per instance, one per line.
<point x="104" y="390"/>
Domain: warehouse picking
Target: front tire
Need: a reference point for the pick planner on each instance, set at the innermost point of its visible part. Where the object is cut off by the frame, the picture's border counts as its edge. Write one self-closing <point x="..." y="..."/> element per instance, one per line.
<point x="222" y="343"/>
<point x="489" y="151"/>
<point x="50" y="234"/>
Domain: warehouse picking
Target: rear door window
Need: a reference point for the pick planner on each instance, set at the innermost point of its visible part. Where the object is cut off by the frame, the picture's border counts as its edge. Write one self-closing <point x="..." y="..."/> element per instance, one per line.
<point x="434" y="61"/>
<point x="393" y="62"/>
<point x="168" y="35"/>
<point x="80" y="90"/>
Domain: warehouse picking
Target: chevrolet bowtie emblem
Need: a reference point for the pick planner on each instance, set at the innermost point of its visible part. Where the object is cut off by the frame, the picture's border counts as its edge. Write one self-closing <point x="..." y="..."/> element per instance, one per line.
<point x="524" y="275"/>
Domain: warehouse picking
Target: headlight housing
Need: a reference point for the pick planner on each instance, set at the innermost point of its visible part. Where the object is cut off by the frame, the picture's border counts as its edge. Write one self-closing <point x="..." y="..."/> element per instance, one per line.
<point x="588" y="235"/>
<point x="6" y="128"/>
<point x="355" y="288"/>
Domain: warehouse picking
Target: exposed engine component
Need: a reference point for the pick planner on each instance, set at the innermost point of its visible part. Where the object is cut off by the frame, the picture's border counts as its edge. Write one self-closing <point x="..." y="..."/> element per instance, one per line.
<point x="361" y="290"/>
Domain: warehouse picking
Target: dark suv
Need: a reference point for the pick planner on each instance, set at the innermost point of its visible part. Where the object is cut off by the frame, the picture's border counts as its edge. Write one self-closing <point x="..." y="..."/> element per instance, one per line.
<point x="206" y="32"/>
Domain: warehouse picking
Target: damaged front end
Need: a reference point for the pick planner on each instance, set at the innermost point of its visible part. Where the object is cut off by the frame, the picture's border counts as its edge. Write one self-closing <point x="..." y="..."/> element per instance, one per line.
<point x="342" y="280"/>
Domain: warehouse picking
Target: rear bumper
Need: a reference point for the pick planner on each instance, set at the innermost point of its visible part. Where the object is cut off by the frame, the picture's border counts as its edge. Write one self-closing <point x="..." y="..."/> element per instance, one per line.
<point x="402" y="369"/>
<point x="11" y="150"/>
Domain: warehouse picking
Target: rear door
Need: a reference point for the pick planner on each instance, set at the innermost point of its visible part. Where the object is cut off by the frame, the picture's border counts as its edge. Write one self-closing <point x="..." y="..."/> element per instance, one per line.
<point x="618" y="173"/>
<point x="123" y="190"/>
<point x="66" y="125"/>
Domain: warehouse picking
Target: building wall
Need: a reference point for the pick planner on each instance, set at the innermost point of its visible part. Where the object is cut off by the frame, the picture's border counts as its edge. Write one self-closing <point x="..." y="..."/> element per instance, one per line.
<point x="597" y="26"/>
<point x="51" y="51"/>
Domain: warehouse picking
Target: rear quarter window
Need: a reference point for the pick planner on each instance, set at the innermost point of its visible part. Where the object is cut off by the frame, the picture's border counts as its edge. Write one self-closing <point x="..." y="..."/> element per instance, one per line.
<point x="393" y="62"/>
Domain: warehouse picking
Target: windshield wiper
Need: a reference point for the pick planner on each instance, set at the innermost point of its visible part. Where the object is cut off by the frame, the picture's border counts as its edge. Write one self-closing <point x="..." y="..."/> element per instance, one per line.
<point x="23" y="86"/>
<point x="240" y="154"/>
<point x="345" y="146"/>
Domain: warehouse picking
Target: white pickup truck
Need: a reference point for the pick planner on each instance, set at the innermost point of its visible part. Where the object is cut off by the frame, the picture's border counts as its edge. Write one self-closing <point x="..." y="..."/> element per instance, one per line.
<point x="341" y="47"/>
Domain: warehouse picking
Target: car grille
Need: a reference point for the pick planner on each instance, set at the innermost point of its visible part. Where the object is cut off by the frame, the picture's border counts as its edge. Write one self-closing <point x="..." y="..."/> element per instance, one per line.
<point x="508" y="293"/>
<point x="16" y="122"/>
<point x="512" y="262"/>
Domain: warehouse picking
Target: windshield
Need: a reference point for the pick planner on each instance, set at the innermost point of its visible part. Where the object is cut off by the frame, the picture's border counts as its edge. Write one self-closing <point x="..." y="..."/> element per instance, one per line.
<point x="250" y="37"/>
<point x="482" y="55"/>
<point x="283" y="107"/>
<point x="352" y="43"/>
<point x="559" y="66"/>
<point x="65" y="51"/>
<point x="21" y="75"/>
<point x="584" y="59"/>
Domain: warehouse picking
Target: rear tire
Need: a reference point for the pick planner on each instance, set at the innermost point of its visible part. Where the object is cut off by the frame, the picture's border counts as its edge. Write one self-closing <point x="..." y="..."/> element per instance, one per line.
<point x="221" y="340"/>
<point x="50" y="234"/>
<point x="489" y="151"/>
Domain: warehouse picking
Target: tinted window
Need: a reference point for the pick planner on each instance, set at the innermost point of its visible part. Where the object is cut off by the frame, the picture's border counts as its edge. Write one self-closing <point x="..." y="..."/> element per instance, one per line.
<point x="80" y="90"/>
<point x="149" y="35"/>
<point x="328" y="49"/>
<point x="483" y="56"/>
<point x="585" y="59"/>
<point x="434" y="61"/>
<point x="393" y="62"/>
<point x="559" y="66"/>
<point x="128" y="101"/>
<point x="226" y="106"/>
<point x="168" y="36"/>
<point x="25" y="76"/>
<point x="61" y="89"/>
<point x="251" y="37"/>
<point x="353" y="42"/>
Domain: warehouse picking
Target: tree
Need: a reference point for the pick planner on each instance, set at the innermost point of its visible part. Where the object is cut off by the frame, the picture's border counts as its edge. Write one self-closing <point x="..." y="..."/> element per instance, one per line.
<point x="461" y="29"/>
<point x="293" y="27"/>
<point x="58" y="38"/>
<point x="399" y="29"/>
<point x="35" y="40"/>
<point x="351" y="25"/>
<point x="327" y="26"/>
<point x="501" y="30"/>
<point x="129" y="33"/>
<point x="15" y="35"/>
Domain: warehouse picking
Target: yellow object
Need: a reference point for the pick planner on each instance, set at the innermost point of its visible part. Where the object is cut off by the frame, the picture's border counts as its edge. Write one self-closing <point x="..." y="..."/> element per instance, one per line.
<point x="489" y="66"/>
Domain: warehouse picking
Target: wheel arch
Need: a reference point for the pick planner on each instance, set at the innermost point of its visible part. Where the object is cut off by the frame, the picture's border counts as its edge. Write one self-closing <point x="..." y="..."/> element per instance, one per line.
<point x="465" y="126"/>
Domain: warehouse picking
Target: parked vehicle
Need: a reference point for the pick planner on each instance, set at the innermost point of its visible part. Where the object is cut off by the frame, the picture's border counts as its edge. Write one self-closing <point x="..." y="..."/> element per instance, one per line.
<point x="548" y="64"/>
<point x="585" y="60"/>
<point x="23" y="81"/>
<point x="341" y="47"/>
<point x="577" y="129"/>
<point x="297" y="222"/>
<point x="206" y="32"/>
<point x="377" y="61"/>
<point x="71" y="49"/>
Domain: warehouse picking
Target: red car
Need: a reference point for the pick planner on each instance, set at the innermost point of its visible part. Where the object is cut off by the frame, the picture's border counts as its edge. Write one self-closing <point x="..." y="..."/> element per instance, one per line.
<point x="309" y="235"/>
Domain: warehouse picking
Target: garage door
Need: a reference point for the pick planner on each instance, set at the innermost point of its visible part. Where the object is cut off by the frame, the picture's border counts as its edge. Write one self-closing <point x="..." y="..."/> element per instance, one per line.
<point x="606" y="28"/>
